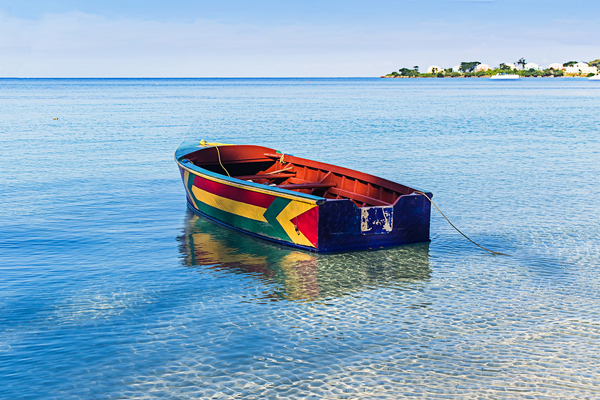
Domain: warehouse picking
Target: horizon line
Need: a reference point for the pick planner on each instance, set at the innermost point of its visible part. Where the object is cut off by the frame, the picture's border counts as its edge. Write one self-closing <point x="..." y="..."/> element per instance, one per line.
<point x="186" y="77"/>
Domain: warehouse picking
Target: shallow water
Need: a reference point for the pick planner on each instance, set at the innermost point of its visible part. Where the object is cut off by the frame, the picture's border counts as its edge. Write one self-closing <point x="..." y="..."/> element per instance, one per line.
<point x="111" y="288"/>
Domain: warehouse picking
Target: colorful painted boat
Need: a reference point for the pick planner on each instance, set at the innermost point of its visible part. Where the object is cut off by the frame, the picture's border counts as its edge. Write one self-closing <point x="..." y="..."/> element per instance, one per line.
<point x="299" y="202"/>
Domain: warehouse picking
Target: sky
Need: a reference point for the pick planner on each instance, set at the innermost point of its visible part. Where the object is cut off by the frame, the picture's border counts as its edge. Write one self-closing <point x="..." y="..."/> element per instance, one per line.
<point x="267" y="38"/>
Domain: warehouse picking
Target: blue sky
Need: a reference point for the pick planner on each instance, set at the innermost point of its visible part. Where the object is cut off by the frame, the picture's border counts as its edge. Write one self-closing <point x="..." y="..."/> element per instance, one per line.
<point x="184" y="38"/>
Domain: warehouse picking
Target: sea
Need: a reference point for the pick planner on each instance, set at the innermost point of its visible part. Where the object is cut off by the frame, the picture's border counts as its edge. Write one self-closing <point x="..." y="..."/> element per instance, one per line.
<point x="110" y="288"/>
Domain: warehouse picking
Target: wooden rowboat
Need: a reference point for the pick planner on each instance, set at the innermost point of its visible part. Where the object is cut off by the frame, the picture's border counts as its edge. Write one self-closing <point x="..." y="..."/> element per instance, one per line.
<point x="299" y="202"/>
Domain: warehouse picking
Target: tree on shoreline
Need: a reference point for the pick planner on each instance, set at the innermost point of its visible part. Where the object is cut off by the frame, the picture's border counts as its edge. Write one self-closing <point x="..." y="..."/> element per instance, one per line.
<point x="522" y="62"/>
<point x="468" y="66"/>
<point x="409" y="72"/>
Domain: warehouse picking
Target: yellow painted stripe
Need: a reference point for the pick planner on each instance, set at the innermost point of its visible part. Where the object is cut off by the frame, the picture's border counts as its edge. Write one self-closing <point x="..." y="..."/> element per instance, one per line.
<point x="230" y="206"/>
<point x="291" y="211"/>
<point x="247" y="187"/>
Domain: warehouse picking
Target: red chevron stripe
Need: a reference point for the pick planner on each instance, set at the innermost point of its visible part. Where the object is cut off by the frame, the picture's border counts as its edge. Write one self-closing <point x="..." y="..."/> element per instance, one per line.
<point x="233" y="193"/>
<point x="308" y="224"/>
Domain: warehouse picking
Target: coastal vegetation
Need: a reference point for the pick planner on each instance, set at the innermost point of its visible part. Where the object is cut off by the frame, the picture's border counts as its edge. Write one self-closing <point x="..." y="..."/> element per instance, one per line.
<point x="474" y="69"/>
<point x="595" y="63"/>
<point x="468" y="66"/>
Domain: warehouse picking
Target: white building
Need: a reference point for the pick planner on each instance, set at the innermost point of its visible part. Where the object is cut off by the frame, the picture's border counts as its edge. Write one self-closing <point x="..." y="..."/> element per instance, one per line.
<point x="556" y="66"/>
<point x="586" y="69"/>
<point x="456" y="69"/>
<point x="482" y="67"/>
<point x="529" y="66"/>
<point x="581" y="68"/>
<point x="434" y="69"/>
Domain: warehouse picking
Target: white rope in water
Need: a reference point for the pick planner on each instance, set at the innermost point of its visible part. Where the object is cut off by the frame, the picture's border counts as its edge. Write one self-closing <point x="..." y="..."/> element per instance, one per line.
<point x="458" y="230"/>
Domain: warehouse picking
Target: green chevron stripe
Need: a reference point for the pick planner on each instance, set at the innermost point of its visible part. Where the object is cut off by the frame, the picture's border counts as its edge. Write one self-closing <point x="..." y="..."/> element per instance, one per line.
<point x="190" y="182"/>
<point x="273" y="212"/>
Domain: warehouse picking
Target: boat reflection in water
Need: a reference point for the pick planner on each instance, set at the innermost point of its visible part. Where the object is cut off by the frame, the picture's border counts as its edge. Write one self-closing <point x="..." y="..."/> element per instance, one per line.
<point x="299" y="275"/>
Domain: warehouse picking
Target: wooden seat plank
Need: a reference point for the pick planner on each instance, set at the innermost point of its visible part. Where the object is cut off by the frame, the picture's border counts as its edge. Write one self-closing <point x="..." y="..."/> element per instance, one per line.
<point x="266" y="176"/>
<point x="311" y="185"/>
<point x="358" y="197"/>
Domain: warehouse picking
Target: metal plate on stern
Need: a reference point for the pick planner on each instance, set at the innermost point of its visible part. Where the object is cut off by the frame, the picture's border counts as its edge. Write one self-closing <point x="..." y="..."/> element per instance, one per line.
<point x="376" y="220"/>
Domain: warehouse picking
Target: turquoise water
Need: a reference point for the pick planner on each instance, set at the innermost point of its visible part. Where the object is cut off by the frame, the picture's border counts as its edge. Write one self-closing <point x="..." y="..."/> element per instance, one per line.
<point x="111" y="288"/>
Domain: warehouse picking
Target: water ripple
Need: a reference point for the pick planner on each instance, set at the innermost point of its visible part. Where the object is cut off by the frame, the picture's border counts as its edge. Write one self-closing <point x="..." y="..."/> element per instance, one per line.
<point x="110" y="288"/>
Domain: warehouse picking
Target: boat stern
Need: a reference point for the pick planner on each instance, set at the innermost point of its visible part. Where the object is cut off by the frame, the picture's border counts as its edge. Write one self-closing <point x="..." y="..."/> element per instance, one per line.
<point x="343" y="226"/>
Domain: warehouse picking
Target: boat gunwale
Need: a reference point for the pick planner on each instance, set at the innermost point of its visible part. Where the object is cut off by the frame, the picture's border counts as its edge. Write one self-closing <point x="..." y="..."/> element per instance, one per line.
<point x="252" y="186"/>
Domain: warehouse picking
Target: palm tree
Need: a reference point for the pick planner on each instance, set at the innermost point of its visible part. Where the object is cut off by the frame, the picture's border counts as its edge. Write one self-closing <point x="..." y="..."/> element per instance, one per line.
<point x="522" y="63"/>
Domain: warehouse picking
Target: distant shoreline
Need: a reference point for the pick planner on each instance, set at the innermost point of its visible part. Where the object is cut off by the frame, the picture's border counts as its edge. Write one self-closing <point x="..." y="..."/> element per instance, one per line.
<point x="471" y="77"/>
<point x="475" y="69"/>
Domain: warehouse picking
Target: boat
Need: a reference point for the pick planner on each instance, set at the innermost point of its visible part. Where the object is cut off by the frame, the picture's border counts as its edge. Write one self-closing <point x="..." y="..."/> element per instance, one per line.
<point x="505" y="77"/>
<point x="300" y="202"/>
<point x="594" y="78"/>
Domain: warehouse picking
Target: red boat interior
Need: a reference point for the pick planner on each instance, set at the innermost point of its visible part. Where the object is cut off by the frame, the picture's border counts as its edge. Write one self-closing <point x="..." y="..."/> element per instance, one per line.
<point x="266" y="166"/>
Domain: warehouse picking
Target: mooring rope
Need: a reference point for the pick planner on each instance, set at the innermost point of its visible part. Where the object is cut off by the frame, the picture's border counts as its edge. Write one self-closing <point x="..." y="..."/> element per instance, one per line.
<point x="458" y="230"/>
<point x="204" y="143"/>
